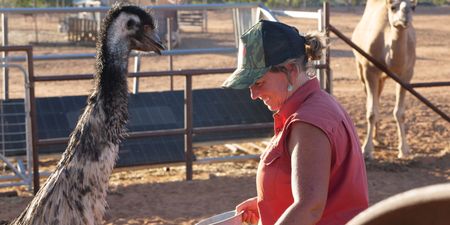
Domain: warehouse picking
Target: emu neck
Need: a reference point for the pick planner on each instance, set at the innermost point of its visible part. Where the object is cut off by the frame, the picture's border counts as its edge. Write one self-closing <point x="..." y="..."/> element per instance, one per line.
<point x="111" y="92"/>
<point x="111" y="73"/>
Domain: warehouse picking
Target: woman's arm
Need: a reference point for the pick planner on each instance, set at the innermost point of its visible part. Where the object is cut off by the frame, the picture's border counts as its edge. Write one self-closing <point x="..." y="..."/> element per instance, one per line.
<point x="311" y="162"/>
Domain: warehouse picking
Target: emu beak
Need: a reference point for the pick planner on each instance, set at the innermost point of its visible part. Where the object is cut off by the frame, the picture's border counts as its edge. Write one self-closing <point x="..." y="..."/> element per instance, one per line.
<point x="156" y="43"/>
<point x="150" y="42"/>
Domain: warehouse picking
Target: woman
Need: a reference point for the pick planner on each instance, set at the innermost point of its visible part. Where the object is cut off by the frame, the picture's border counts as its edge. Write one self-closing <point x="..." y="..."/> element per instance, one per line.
<point x="313" y="171"/>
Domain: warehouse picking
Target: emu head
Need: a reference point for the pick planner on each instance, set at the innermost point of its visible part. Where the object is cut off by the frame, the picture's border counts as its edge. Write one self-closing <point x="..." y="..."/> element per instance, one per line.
<point x="400" y="12"/>
<point x="133" y="27"/>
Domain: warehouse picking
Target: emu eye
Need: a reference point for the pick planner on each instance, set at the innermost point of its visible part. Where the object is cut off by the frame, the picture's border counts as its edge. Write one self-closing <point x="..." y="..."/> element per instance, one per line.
<point x="393" y="8"/>
<point x="131" y="24"/>
<point x="413" y="8"/>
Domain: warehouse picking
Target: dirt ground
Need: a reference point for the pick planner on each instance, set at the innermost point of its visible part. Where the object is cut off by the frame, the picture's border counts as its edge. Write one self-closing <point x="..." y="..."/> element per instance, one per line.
<point x="162" y="196"/>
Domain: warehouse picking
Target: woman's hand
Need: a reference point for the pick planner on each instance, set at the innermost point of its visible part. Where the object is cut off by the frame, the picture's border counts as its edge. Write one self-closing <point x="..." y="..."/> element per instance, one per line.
<point x="250" y="210"/>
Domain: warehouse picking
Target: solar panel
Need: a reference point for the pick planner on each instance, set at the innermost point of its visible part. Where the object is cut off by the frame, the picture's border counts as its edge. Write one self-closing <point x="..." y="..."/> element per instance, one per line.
<point x="12" y="127"/>
<point x="57" y="117"/>
<point x="153" y="150"/>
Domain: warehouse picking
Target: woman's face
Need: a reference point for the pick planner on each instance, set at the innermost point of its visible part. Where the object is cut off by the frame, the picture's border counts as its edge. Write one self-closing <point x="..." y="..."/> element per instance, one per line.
<point x="271" y="89"/>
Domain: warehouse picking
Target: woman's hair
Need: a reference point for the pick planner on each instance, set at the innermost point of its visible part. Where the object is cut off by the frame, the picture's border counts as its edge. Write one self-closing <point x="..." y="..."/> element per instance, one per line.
<point x="314" y="44"/>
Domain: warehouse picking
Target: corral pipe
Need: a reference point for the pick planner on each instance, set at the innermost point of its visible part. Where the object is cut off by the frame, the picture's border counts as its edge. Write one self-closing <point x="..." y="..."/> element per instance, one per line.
<point x="168" y="132"/>
<point x="430" y="84"/>
<point x="133" y="135"/>
<point x="205" y="130"/>
<point x="140" y="74"/>
<point x="188" y="126"/>
<point x="194" y="72"/>
<point x="169" y="47"/>
<point x="389" y="73"/>
<point x="5" y="70"/>
<point x="327" y="52"/>
<point x="34" y="136"/>
<point x="156" y="133"/>
<point x="137" y="69"/>
<point x="173" y="52"/>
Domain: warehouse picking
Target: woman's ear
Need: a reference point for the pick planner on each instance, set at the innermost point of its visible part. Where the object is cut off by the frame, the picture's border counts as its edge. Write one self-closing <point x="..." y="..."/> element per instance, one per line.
<point x="293" y="71"/>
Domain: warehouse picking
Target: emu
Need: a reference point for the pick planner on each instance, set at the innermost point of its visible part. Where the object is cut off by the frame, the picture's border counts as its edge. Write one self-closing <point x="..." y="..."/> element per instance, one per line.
<point x="385" y="31"/>
<point x="75" y="194"/>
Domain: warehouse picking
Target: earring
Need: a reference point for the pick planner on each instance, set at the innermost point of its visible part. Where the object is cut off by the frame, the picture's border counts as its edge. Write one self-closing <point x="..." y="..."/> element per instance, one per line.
<point x="289" y="88"/>
<point x="310" y="71"/>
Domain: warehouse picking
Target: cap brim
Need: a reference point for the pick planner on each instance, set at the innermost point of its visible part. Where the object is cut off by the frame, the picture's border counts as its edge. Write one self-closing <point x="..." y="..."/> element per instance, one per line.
<point x="244" y="78"/>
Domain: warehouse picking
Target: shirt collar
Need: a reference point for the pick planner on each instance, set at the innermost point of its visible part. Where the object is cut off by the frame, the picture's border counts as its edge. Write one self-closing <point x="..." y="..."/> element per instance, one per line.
<point x="294" y="101"/>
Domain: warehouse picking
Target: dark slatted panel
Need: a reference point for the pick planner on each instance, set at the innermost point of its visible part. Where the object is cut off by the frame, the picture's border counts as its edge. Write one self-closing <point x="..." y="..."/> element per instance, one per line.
<point x="57" y="117"/>
<point x="12" y="127"/>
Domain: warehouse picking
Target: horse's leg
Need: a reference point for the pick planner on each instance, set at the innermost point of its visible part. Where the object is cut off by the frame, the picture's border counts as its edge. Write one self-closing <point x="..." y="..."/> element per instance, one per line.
<point x="359" y="71"/>
<point x="399" y="115"/>
<point x="371" y="77"/>
<point x="376" y="136"/>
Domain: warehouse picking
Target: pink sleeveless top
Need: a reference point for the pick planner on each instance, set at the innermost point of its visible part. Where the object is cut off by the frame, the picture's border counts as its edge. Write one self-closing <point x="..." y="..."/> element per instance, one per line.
<point x="347" y="191"/>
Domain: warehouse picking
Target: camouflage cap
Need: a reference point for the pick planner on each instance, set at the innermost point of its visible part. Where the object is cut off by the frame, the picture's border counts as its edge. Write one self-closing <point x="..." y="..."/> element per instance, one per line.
<point x="264" y="45"/>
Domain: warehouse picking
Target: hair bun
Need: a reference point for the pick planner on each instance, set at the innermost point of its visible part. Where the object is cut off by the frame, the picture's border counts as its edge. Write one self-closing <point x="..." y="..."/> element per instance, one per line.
<point x="315" y="43"/>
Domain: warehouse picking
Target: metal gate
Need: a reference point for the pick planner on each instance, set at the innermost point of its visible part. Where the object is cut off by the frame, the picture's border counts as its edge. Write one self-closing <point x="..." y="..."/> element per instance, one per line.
<point x="15" y="130"/>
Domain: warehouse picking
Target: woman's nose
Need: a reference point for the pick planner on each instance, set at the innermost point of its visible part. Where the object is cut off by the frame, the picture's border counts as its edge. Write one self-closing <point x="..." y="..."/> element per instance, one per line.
<point x="254" y="94"/>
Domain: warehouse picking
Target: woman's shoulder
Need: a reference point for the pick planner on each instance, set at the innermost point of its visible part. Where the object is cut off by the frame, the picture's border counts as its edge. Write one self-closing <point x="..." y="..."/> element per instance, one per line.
<point x="321" y="105"/>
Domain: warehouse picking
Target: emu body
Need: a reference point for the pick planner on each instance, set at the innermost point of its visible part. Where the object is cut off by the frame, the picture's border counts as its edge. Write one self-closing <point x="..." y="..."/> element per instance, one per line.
<point x="385" y="31"/>
<point x="75" y="194"/>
